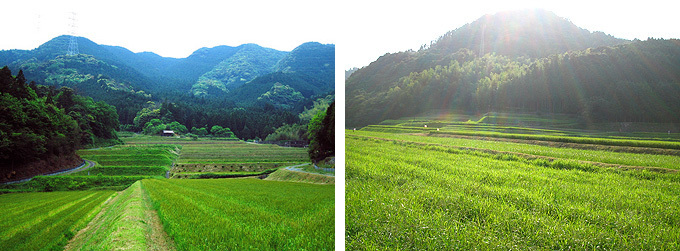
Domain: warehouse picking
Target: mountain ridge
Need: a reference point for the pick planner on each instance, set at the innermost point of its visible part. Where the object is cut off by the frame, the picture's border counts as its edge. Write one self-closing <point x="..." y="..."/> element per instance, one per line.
<point x="555" y="72"/>
<point x="121" y="77"/>
<point x="529" y="32"/>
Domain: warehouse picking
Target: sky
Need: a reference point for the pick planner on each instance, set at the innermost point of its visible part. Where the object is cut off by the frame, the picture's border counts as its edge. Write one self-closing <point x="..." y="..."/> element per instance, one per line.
<point x="373" y="28"/>
<point x="169" y="28"/>
<point x="362" y="30"/>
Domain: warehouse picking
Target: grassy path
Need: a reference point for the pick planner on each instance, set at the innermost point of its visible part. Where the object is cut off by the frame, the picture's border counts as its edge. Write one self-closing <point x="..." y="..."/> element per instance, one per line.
<point x="127" y="222"/>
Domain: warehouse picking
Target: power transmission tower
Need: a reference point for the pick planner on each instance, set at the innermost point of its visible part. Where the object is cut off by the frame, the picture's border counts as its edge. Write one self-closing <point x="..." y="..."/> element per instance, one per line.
<point x="481" y="46"/>
<point x="73" y="42"/>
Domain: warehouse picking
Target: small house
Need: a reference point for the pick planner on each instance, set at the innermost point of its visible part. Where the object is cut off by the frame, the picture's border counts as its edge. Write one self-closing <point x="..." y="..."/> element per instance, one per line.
<point x="168" y="133"/>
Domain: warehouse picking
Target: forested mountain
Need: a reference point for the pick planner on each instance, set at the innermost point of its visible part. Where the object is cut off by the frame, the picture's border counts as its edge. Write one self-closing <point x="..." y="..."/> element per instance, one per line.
<point x="563" y="69"/>
<point x="309" y="70"/>
<point x="530" y="33"/>
<point x="311" y="59"/>
<point x="249" y="62"/>
<point x="209" y="81"/>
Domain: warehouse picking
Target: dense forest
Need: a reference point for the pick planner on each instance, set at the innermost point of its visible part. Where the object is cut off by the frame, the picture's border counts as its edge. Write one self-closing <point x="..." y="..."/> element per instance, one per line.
<point x="46" y="125"/>
<point x="249" y="89"/>
<point x="636" y="81"/>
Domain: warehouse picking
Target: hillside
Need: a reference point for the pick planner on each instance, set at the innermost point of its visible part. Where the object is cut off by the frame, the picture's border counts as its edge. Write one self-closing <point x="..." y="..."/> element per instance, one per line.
<point x="309" y="69"/>
<point x="312" y="59"/>
<point x="249" y="62"/>
<point x="42" y="127"/>
<point x="565" y="69"/>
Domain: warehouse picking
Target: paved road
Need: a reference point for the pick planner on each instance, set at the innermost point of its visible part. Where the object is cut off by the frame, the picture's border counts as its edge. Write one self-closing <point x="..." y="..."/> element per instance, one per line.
<point x="296" y="169"/>
<point x="85" y="165"/>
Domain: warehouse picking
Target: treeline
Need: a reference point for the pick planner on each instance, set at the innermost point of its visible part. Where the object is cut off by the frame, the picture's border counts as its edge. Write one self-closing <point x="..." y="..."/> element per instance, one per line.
<point x="635" y="82"/>
<point x="38" y="122"/>
<point x="253" y="122"/>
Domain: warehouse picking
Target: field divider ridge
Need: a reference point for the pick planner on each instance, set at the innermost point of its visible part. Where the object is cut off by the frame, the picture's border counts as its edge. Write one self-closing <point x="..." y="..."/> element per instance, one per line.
<point x="525" y="156"/>
<point x="559" y="144"/>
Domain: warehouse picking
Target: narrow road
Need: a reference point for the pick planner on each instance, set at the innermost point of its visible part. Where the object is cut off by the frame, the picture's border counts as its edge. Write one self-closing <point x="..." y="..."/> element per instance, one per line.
<point x="296" y="169"/>
<point x="85" y="165"/>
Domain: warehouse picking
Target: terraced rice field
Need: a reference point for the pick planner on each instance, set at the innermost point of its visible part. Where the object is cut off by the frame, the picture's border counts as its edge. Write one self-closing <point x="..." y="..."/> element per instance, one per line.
<point x="46" y="221"/>
<point x="234" y="214"/>
<point x="618" y="158"/>
<point x="406" y="189"/>
<point x="224" y="157"/>
<point x="123" y="160"/>
<point x="236" y="157"/>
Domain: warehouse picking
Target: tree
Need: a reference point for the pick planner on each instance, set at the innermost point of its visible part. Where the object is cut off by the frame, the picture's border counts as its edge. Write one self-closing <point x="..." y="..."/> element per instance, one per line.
<point x="177" y="127"/>
<point x="295" y="132"/>
<point x="219" y="131"/>
<point x="199" y="131"/>
<point x="321" y="130"/>
<point x="155" y="126"/>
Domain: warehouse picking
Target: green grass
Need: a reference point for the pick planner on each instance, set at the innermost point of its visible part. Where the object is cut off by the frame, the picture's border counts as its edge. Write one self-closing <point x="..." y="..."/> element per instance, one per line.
<point x="46" y="221"/>
<point x="621" y="158"/>
<point x="409" y="196"/>
<point x="245" y="214"/>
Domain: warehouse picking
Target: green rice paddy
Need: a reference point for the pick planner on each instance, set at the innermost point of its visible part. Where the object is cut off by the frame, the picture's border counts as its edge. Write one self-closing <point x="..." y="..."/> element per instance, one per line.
<point x="416" y="188"/>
